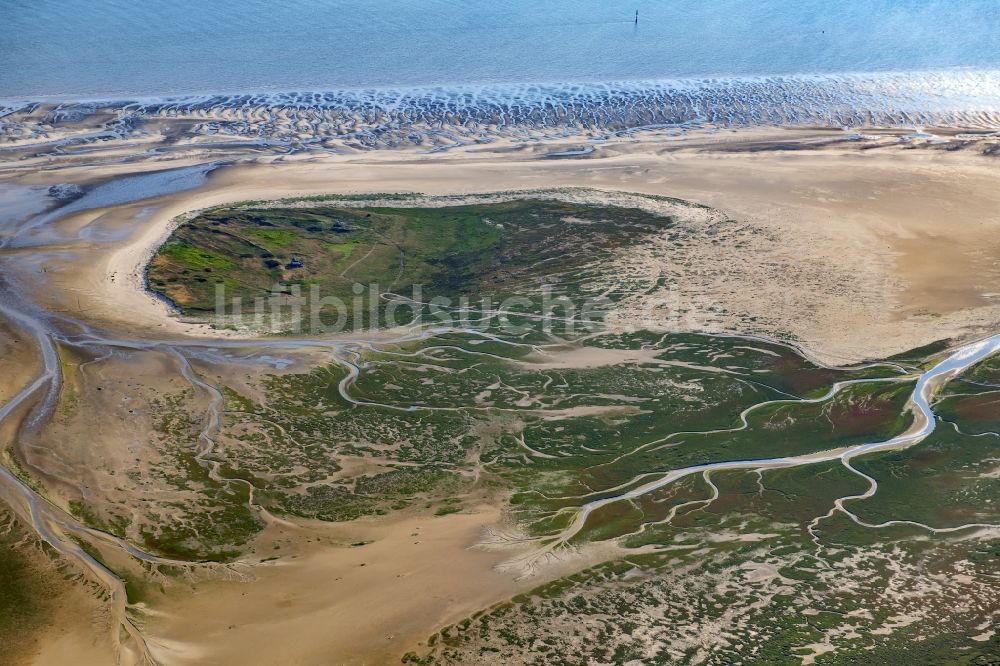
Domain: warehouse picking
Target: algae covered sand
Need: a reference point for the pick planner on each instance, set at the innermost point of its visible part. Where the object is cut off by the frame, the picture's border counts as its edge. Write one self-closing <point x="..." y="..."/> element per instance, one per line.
<point x="295" y="496"/>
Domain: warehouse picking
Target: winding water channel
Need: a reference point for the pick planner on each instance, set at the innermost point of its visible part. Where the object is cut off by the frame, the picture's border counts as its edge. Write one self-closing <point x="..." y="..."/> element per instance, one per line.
<point x="37" y="400"/>
<point x="924" y="423"/>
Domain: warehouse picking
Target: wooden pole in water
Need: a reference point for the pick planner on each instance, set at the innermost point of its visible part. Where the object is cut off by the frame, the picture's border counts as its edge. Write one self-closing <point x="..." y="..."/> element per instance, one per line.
<point x="637" y="17"/>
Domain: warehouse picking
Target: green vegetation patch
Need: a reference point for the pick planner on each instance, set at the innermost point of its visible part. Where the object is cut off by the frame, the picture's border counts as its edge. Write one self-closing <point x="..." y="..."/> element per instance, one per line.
<point x="29" y="591"/>
<point x="188" y="257"/>
<point x="499" y="249"/>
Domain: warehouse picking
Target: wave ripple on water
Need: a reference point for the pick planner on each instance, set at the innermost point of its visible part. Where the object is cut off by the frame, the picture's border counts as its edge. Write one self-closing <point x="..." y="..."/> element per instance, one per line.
<point x="441" y="116"/>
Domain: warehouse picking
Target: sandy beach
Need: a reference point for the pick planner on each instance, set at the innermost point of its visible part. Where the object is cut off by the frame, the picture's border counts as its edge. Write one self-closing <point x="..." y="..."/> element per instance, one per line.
<point x="852" y="250"/>
<point x="499" y="334"/>
<point x="825" y="242"/>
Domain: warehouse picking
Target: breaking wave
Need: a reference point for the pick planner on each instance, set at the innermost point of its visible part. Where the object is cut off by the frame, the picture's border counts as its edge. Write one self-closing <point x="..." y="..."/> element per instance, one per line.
<point x="442" y="116"/>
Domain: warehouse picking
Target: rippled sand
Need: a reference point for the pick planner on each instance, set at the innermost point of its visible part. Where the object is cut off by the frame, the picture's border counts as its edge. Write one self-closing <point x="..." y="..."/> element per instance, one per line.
<point x="435" y="118"/>
<point x="854" y="246"/>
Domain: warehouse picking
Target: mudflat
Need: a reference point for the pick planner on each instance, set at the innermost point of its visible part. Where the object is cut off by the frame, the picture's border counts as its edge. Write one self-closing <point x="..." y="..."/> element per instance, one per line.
<point x="351" y="499"/>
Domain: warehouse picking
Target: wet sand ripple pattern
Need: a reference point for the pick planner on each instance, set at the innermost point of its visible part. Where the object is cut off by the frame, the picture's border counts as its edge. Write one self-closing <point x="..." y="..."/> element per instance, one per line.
<point x="439" y="116"/>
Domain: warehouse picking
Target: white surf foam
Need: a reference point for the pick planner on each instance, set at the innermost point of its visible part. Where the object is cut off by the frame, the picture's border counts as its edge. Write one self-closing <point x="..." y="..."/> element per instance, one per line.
<point x="389" y="117"/>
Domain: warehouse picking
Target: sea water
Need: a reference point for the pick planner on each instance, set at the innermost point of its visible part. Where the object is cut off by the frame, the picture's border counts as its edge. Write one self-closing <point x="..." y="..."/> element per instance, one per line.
<point x="120" y="48"/>
<point x="380" y="66"/>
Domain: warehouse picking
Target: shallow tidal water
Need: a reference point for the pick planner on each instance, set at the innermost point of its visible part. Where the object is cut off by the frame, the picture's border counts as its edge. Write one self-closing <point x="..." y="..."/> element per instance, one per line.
<point x="113" y="48"/>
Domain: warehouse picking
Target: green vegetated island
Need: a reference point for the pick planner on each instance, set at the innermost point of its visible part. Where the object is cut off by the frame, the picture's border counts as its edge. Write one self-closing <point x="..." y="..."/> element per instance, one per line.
<point x="462" y="413"/>
<point x="497" y="250"/>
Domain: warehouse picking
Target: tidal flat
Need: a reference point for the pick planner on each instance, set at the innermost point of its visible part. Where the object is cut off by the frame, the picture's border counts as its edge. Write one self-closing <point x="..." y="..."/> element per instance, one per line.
<point x="657" y="481"/>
